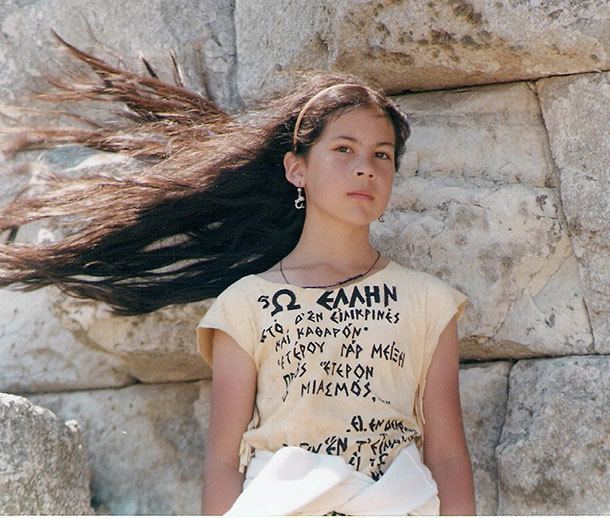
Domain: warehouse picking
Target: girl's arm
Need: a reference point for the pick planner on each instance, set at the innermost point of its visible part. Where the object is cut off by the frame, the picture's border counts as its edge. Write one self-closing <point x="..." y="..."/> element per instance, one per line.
<point x="232" y="405"/>
<point x="445" y="450"/>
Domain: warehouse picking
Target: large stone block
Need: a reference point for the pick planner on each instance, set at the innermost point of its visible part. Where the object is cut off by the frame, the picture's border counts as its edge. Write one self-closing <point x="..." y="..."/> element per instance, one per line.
<point x="476" y="202"/>
<point x="554" y="451"/>
<point x="483" y="394"/>
<point x="37" y="354"/>
<point x="43" y="461"/>
<point x="507" y="248"/>
<point x="413" y="45"/>
<point x="153" y="348"/>
<point x="145" y="443"/>
<point x="577" y="116"/>
<point x="200" y="34"/>
<point x="485" y="135"/>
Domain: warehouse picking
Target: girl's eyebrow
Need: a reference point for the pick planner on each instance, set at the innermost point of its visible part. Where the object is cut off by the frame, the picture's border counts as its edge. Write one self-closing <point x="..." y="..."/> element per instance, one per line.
<point x="356" y="140"/>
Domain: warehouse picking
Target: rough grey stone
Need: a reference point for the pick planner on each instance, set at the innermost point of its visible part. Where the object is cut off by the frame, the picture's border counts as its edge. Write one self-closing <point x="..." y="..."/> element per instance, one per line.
<point x="43" y="461"/>
<point x="200" y="33"/>
<point x="153" y="348"/>
<point x="577" y="115"/>
<point x="507" y="248"/>
<point x="487" y="135"/>
<point x="146" y="445"/>
<point x="554" y="451"/>
<point x="418" y="45"/>
<point x="37" y="354"/>
<point x="483" y="393"/>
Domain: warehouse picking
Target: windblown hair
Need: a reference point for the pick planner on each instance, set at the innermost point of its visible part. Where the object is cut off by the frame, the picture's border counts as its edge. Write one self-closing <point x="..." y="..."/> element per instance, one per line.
<point x="210" y="204"/>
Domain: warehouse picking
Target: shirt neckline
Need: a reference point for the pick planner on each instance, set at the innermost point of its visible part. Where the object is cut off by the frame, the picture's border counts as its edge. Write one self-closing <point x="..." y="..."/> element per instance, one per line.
<point x="329" y="288"/>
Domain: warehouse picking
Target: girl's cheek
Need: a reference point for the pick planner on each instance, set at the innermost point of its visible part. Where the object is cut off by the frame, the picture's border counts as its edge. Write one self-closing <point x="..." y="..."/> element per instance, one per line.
<point x="342" y="157"/>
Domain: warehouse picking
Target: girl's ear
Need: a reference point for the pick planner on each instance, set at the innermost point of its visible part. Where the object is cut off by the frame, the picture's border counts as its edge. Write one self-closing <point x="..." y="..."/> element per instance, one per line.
<point x="294" y="169"/>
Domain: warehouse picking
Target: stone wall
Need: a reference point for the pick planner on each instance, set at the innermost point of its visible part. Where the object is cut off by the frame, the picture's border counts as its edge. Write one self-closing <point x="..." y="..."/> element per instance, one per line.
<point x="504" y="193"/>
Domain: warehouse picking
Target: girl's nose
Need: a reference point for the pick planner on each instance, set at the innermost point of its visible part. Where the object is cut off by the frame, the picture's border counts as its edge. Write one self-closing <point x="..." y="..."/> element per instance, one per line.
<point x="365" y="169"/>
<point x="365" y="166"/>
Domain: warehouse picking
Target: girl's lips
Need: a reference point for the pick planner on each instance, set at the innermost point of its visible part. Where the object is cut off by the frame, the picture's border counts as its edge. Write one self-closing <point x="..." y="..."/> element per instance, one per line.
<point x="360" y="195"/>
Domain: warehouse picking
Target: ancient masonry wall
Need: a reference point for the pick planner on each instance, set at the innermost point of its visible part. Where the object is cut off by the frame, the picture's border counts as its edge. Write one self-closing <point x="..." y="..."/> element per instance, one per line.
<point x="504" y="193"/>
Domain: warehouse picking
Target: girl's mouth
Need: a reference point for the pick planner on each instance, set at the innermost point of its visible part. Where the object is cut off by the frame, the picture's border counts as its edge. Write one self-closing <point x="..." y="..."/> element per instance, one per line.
<point x="361" y="195"/>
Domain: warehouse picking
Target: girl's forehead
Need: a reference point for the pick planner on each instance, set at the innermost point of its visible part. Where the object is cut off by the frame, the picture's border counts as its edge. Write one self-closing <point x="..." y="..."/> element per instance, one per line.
<point x="370" y="111"/>
<point x="353" y="121"/>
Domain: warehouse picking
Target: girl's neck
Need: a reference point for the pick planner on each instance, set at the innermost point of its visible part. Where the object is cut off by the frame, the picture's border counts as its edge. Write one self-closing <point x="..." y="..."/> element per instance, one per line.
<point x="338" y="247"/>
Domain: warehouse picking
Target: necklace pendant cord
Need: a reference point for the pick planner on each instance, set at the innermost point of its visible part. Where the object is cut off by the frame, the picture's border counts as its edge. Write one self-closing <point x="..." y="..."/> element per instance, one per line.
<point x="337" y="283"/>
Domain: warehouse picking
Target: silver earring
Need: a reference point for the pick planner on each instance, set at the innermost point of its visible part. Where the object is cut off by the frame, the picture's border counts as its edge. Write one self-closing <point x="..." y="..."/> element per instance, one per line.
<point x="299" y="203"/>
<point x="380" y="218"/>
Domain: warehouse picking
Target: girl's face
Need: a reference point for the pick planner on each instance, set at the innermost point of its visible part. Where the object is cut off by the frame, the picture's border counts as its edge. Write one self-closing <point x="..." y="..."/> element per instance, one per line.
<point x="355" y="152"/>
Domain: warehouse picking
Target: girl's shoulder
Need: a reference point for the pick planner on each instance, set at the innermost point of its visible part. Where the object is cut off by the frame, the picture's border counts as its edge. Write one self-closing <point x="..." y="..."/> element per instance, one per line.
<point x="240" y="286"/>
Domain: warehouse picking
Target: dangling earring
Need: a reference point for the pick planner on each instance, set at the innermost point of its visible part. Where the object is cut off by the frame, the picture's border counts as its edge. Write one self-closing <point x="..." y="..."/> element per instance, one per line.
<point x="380" y="218"/>
<point x="299" y="203"/>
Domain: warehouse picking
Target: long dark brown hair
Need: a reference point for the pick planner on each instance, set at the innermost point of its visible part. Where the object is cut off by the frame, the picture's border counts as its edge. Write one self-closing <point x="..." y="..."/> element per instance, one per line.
<point x="209" y="204"/>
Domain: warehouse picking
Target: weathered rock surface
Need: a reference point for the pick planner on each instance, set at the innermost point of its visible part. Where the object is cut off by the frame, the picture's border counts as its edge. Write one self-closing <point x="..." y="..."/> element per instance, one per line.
<point x="145" y="442"/>
<point x="483" y="394"/>
<point x="554" y="451"/>
<point x="38" y="354"/>
<point x="507" y="248"/>
<point x="478" y="201"/>
<point x="153" y="348"/>
<point x="43" y="461"/>
<point x="201" y="36"/>
<point x="418" y="45"/>
<point x="486" y="135"/>
<point x="577" y="115"/>
<point x="475" y="202"/>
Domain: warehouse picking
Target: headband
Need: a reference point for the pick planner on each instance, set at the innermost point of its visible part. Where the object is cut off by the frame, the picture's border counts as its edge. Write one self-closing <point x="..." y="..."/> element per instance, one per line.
<point x="308" y="104"/>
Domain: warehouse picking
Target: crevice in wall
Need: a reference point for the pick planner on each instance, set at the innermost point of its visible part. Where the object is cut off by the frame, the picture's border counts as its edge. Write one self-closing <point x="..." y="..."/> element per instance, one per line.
<point x="505" y="410"/>
<point x="462" y="88"/>
<point x="560" y="212"/>
<point x="237" y="103"/>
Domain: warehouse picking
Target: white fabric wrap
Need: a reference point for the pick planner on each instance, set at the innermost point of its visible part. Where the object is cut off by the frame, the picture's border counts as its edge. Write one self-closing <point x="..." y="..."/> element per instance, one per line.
<point x="294" y="480"/>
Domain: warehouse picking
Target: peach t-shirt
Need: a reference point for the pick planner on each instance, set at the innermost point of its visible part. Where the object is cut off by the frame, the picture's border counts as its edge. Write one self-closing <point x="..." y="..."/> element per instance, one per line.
<point x="341" y="370"/>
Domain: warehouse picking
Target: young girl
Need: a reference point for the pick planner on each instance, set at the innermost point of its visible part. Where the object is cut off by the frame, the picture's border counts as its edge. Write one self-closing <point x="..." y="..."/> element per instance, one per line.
<point x="328" y="350"/>
<point x="326" y="354"/>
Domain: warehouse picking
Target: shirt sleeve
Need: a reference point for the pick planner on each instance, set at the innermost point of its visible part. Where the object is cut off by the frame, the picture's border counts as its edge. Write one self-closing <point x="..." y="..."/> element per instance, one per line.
<point x="232" y="313"/>
<point x="442" y="302"/>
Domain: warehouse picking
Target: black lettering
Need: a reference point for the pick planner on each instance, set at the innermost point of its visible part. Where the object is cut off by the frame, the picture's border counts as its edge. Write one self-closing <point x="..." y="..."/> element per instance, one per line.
<point x="356" y="423"/>
<point x="389" y="352"/>
<point x="372" y="295"/>
<point x="290" y="306"/>
<point x="347" y="349"/>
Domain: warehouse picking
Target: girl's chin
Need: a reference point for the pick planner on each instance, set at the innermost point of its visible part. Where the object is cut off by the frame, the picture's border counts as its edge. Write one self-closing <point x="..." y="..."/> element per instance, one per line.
<point x="357" y="214"/>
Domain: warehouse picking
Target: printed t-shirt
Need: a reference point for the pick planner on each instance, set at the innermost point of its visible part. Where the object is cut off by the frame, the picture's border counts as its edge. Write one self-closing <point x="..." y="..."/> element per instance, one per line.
<point x="341" y="370"/>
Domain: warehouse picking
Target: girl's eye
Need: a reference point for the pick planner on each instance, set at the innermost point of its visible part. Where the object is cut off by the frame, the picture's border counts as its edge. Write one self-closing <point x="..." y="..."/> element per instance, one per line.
<point x="387" y="156"/>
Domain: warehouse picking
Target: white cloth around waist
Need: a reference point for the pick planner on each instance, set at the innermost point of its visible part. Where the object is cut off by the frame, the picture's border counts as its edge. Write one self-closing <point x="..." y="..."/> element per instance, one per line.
<point x="294" y="480"/>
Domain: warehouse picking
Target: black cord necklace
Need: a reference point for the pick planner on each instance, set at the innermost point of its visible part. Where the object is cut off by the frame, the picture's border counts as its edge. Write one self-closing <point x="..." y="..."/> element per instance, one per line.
<point x="337" y="283"/>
